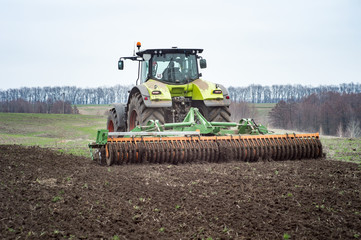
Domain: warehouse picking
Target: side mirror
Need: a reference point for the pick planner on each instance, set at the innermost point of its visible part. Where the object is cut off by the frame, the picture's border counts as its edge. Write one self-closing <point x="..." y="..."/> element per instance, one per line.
<point x="203" y="63"/>
<point x="120" y="64"/>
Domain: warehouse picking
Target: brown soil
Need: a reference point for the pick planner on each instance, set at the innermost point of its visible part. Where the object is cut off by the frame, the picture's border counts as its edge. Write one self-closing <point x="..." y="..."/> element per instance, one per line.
<point x="45" y="194"/>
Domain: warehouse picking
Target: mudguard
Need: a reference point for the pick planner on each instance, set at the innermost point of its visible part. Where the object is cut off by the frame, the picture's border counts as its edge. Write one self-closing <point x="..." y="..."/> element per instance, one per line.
<point x="217" y="103"/>
<point x="203" y="90"/>
<point x="143" y="90"/>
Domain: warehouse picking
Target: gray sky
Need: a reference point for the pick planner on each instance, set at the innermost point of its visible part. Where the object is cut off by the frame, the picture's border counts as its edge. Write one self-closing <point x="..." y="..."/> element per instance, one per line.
<point x="78" y="42"/>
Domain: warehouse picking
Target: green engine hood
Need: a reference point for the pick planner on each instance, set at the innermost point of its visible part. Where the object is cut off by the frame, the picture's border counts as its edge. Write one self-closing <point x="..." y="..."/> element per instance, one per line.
<point x="197" y="90"/>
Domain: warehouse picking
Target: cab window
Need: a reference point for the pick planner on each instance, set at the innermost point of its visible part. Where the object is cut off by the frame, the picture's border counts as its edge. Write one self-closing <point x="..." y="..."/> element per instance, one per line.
<point x="174" y="67"/>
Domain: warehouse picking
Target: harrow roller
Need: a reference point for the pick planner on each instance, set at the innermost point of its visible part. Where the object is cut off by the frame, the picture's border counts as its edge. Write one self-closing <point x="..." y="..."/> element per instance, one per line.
<point x="202" y="142"/>
<point x="174" y="150"/>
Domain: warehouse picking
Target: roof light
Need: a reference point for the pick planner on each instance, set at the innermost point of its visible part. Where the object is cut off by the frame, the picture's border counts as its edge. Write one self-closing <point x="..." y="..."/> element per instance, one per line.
<point x="139" y="45"/>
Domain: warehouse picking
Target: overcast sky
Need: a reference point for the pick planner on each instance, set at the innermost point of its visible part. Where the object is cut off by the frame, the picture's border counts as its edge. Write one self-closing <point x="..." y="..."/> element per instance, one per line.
<point x="78" y="42"/>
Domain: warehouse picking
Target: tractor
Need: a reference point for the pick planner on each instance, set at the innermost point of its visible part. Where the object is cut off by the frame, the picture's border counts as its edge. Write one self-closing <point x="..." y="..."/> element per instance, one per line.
<point x="169" y="83"/>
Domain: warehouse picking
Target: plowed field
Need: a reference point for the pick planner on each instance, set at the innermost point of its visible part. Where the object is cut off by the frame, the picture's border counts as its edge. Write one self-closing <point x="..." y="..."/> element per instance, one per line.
<point x="45" y="194"/>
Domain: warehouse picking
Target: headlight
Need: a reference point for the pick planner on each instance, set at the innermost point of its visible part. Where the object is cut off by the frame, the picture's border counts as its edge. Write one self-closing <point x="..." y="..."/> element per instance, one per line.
<point x="157" y="92"/>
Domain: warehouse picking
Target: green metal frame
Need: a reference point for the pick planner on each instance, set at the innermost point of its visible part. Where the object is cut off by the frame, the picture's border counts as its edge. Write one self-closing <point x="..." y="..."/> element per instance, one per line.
<point x="194" y="121"/>
<point x="101" y="140"/>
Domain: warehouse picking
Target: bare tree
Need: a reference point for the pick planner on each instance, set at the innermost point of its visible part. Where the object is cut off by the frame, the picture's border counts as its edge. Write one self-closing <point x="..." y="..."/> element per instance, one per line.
<point x="353" y="129"/>
<point x="332" y="112"/>
<point x="340" y="130"/>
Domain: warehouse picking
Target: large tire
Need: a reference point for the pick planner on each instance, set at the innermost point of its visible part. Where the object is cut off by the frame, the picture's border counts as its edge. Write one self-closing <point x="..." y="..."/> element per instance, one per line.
<point x="113" y="124"/>
<point x="139" y="114"/>
<point x="215" y="114"/>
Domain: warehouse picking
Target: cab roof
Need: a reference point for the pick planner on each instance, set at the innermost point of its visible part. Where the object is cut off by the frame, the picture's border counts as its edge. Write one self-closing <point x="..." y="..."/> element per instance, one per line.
<point x="170" y="50"/>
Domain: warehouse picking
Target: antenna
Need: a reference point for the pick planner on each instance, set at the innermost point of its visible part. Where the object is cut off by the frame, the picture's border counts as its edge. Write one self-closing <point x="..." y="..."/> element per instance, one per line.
<point x="134" y="48"/>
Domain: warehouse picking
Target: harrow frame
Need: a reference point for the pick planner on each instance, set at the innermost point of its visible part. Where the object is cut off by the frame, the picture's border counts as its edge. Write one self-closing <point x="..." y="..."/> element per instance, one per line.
<point x="196" y="139"/>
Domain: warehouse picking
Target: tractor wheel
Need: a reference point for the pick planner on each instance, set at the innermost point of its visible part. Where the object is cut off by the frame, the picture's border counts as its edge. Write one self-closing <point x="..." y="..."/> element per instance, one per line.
<point x="139" y="114"/>
<point x="215" y="114"/>
<point x="112" y="122"/>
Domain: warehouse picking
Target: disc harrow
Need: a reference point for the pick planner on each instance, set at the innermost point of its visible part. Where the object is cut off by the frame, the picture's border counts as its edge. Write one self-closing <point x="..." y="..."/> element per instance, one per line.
<point x="175" y="150"/>
<point x="202" y="142"/>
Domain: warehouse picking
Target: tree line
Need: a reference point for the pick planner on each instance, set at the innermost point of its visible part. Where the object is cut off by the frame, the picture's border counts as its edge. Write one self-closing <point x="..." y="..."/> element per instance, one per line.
<point x="275" y="93"/>
<point x="119" y="94"/>
<point x="72" y="94"/>
<point x="50" y="106"/>
<point x="330" y="113"/>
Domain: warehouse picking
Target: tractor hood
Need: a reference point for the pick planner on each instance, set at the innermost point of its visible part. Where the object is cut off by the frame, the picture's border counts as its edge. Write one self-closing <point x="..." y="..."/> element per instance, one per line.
<point x="212" y="94"/>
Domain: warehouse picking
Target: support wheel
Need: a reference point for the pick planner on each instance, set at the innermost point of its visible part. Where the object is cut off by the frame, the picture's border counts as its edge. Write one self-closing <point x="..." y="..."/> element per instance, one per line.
<point x="100" y="156"/>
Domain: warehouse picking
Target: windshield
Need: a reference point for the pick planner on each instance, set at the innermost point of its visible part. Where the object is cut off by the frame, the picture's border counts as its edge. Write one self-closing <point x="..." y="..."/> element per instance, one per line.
<point x="174" y="67"/>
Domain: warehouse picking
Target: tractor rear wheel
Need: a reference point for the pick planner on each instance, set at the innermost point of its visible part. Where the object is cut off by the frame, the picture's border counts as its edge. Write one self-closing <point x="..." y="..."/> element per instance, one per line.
<point x="215" y="114"/>
<point x="112" y="123"/>
<point x="139" y="114"/>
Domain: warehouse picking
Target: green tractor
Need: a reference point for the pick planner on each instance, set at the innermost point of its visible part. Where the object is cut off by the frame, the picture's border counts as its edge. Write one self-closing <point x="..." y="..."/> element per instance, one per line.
<point x="169" y="84"/>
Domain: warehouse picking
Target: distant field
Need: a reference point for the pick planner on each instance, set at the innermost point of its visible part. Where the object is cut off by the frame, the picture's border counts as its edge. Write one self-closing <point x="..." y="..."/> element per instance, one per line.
<point x="66" y="132"/>
<point x="268" y="106"/>
<point x="101" y="109"/>
<point x="263" y="108"/>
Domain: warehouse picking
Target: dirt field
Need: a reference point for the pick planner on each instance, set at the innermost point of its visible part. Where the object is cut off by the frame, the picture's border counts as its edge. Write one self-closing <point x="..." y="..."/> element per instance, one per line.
<point x="47" y="195"/>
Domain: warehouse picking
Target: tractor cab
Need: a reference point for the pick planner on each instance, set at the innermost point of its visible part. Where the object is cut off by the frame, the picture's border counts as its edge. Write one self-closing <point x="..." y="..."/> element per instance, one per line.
<point x="171" y="66"/>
